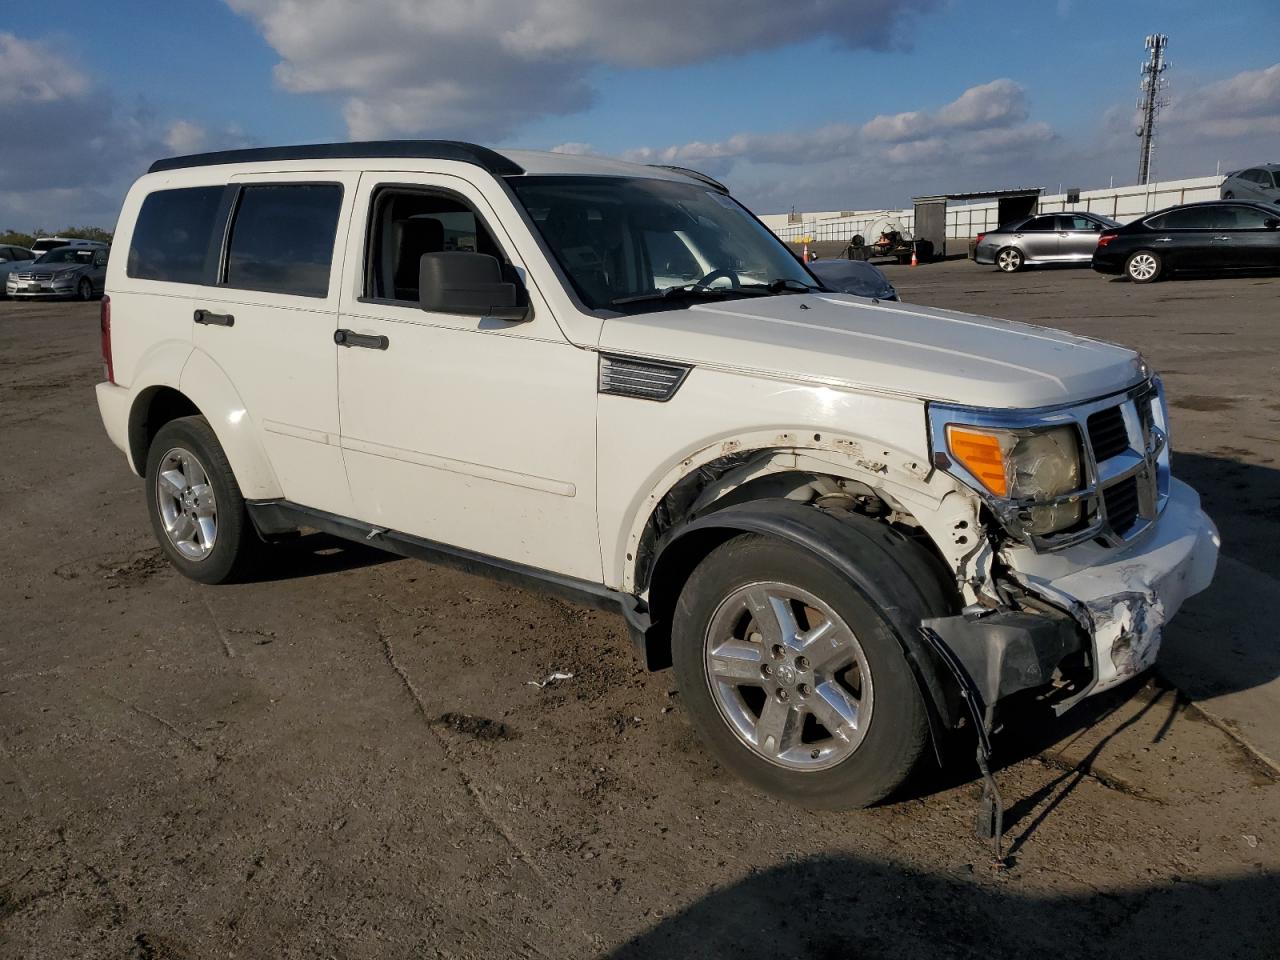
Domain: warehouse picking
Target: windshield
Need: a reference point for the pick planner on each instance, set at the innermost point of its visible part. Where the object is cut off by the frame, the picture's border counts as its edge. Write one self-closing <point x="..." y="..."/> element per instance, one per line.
<point x="625" y="241"/>
<point x="68" y="255"/>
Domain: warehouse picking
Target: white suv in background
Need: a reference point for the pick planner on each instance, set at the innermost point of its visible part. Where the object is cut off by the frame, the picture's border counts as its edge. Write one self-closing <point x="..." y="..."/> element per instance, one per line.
<point x="845" y="522"/>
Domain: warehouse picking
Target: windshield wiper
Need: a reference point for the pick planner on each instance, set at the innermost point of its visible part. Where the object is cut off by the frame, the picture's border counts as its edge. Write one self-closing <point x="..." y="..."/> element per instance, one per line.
<point x="684" y="290"/>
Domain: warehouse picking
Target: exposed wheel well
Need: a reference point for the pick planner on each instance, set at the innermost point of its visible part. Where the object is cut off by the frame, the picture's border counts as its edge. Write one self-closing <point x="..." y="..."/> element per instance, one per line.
<point x="154" y="408"/>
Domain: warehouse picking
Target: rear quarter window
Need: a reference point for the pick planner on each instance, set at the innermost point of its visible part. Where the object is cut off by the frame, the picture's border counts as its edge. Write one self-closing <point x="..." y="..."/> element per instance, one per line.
<point x="173" y="235"/>
<point x="282" y="238"/>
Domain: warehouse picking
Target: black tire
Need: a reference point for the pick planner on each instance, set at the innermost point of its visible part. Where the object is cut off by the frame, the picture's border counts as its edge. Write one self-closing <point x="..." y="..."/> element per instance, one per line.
<point x="1229" y="195"/>
<point x="897" y="733"/>
<point x="1137" y="269"/>
<point x="236" y="547"/>
<point x="84" y="290"/>
<point x="1009" y="260"/>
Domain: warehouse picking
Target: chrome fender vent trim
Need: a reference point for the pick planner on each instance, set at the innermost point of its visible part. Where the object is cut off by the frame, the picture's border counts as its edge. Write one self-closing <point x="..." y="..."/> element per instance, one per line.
<point x="640" y="379"/>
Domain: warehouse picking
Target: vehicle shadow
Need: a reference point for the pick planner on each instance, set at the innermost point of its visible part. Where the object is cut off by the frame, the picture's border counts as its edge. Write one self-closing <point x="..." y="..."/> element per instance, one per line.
<point x="846" y="907"/>
<point x="1244" y="501"/>
<point x="317" y="554"/>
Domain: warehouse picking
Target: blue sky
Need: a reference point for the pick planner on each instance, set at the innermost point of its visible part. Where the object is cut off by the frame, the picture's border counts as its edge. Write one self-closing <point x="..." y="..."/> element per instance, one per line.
<point x="777" y="103"/>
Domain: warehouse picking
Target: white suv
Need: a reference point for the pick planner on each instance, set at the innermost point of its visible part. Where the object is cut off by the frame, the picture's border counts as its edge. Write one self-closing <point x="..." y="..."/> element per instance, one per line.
<point x="844" y="522"/>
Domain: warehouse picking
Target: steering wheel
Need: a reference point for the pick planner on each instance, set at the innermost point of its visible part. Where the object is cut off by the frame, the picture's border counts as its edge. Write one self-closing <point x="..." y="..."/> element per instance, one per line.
<point x="714" y="275"/>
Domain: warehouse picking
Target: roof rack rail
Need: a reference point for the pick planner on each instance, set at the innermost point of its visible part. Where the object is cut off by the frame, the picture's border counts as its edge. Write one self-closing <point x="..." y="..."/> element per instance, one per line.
<point x="701" y="177"/>
<point x="483" y="157"/>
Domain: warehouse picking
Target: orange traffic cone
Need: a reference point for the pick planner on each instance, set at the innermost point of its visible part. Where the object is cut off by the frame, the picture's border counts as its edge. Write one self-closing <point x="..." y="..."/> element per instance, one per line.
<point x="915" y="261"/>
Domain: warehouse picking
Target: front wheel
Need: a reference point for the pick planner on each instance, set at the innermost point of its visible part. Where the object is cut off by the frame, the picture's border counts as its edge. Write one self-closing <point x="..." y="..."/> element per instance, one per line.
<point x="84" y="290"/>
<point x="1009" y="260"/>
<point x="795" y="682"/>
<point x="197" y="512"/>
<point x="1229" y="195"/>
<point x="1144" y="266"/>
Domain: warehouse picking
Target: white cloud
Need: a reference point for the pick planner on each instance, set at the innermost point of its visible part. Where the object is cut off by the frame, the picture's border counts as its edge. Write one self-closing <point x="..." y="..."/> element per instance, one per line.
<point x="484" y="68"/>
<point x="68" y="149"/>
<point x="574" y="148"/>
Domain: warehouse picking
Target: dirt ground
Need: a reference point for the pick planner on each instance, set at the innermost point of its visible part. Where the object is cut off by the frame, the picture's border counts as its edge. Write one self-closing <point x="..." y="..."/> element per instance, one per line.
<point x="349" y="761"/>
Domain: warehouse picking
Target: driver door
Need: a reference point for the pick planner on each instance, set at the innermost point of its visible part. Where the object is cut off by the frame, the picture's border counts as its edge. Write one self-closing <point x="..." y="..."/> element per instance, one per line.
<point x="468" y="431"/>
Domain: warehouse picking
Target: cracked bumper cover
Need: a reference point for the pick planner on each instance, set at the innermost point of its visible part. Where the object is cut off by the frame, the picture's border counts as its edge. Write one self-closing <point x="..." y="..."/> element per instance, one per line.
<point x="1115" y="602"/>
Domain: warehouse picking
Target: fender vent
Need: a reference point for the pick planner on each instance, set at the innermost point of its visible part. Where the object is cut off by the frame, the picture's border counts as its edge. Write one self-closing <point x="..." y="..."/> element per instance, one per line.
<point x="641" y="379"/>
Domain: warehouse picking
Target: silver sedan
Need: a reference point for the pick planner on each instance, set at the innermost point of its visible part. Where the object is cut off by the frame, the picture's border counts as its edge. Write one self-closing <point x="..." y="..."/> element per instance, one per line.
<point x="79" y="272"/>
<point x="1044" y="238"/>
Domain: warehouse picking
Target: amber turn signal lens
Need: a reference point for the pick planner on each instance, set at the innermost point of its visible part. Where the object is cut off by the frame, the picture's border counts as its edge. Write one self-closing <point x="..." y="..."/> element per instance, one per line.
<point x="981" y="455"/>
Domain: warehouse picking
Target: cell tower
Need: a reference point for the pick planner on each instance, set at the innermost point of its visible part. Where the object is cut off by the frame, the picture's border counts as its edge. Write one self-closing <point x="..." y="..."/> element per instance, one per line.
<point x="1150" y="100"/>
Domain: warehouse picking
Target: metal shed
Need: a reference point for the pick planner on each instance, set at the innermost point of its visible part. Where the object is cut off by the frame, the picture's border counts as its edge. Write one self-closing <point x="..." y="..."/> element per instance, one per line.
<point x="931" y="212"/>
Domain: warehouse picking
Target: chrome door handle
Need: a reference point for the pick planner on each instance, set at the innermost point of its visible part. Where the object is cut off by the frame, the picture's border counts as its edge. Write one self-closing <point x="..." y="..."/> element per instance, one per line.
<point x="1164" y="240"/>
<point x="1219" y="239"/>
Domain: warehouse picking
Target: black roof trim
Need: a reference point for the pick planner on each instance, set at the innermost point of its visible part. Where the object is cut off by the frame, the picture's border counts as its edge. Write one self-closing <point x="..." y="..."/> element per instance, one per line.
<point x="483" y="157"/>
<point x="700" y="177"/>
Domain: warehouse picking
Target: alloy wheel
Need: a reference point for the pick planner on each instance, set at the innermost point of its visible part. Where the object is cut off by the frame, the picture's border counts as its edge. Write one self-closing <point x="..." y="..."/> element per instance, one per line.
<point x="186" y="502"/>
<point x="1142" y="266"/>
<point x="789" y="676"/>
<point x="1009" y="260"/>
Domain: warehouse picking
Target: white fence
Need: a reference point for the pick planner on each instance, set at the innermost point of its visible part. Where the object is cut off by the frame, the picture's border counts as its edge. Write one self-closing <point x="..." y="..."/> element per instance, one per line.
<point x="968" y="219"/>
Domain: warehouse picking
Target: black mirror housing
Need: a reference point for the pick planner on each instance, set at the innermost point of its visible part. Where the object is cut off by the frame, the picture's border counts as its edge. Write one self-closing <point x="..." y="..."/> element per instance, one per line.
<point x="471" y="284"/>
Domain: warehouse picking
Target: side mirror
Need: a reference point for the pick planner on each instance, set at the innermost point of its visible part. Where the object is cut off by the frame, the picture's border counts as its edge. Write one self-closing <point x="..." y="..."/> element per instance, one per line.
<point x="471" y="284"/>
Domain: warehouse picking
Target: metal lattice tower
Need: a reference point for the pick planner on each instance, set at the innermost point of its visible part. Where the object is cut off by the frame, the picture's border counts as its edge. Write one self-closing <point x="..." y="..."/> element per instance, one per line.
<point x="1150" y="100"/>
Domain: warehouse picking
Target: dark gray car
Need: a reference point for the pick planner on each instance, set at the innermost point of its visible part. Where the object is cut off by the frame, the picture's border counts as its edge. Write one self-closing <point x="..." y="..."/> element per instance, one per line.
<point x="854" y="276"/>
<point x="79" y="272"/>
<point x="1044" y="238"/>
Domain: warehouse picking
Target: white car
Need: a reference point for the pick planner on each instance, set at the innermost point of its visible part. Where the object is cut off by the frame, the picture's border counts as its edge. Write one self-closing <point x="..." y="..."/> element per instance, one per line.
<point x="834" y="517"/>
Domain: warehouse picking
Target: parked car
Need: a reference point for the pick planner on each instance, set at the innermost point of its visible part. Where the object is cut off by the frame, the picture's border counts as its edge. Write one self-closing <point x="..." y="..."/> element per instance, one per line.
<point x="78" y="272"/>
<point x="45" y="244"/>
<point x="12" y="258"/>
<point x="830" y="516"/>
<point x="1213" y="236"/>
<point x="1256" y="183"/>
<point x="1044" y="238"/>
<point x="858" y="277"/>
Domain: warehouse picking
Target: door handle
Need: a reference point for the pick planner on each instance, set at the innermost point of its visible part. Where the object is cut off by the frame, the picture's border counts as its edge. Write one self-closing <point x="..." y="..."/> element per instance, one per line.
<point x="1164" y="240"/>
<point x="349" y="338"/>
<point x="1222" y="239"/>
<point x="209" y="318"/>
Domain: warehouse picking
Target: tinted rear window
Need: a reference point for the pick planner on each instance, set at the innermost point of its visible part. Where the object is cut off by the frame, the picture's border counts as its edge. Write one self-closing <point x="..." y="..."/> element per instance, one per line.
<point x="282" y="238"/>
<point x="171" y="240"/>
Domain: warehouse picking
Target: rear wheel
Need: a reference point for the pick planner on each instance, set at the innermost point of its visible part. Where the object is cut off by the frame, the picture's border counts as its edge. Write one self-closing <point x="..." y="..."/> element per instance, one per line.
<point x="794" y="681"/>
<point x="1143" y="266"/>
<point x="1009" y="260"/>
<point x="197" y="512"/>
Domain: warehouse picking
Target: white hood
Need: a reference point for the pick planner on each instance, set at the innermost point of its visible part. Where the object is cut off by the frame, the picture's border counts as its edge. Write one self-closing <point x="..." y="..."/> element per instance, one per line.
<point x="893" y="348"/>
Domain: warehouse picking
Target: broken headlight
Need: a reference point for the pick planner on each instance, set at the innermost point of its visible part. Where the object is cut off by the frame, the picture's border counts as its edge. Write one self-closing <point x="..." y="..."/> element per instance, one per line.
<point x="1036" y="472"/>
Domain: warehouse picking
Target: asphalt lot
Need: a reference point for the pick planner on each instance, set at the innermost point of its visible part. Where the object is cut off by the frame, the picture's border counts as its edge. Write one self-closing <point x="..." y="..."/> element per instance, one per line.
<point x="348" y="760"/>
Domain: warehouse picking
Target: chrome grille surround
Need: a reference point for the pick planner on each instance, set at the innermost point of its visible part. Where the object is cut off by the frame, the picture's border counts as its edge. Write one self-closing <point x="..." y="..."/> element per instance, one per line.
<point x="1145" y="459"/>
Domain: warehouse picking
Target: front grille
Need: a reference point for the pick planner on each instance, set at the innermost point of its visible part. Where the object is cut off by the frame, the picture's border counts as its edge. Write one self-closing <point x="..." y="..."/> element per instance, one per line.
<point x="1122" y="504"/>
<point x="1108" y="433"/>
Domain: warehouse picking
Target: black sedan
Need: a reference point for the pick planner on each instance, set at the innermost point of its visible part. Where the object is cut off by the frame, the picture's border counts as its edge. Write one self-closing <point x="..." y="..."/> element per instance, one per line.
<point x="1210" y="237"/>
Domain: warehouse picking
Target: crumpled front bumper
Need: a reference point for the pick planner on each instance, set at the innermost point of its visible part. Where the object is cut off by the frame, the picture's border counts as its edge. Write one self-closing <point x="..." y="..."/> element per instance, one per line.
<point x="1124" y="597"/>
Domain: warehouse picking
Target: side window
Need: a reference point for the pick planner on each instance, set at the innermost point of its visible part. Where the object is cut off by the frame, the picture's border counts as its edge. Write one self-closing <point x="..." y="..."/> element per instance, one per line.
<point x="1242" y="218"/>
<point x="172" y="236"/>
<point x="405" y="225"/>
<point x="1078" y="224"/>
<point x="100" y="258"/>
<point x="282" y="238"/>
<point x="1257" y="176"/>
<point x="1041" y="223"/>
<point x="1191" y="218"/>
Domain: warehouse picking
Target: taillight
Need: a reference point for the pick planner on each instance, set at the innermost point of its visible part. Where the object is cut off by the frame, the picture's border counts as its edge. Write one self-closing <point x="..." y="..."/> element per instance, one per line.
<point x="1106" y="238"/>
<point x="978" y="239"/>
<point x="105" y="323"/>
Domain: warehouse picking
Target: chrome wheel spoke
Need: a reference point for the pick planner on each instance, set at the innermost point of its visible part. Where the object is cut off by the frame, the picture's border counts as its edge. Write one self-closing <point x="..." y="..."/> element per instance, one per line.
<point x="183" y="528"/>
<point x="736" y="662"/>
<point x="774" y="618"/>
<point x="827" y="647"/>
<point x="208" y="530"/>
<point x="832" y="707"/>
<point x="172" y="482"/>
<point x="778" y="729"/>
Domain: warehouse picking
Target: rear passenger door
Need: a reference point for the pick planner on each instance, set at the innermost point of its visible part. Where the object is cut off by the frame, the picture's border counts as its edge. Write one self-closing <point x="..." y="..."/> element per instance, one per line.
<point x="269" y="321"/>
<point x="1038" y="238"/>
